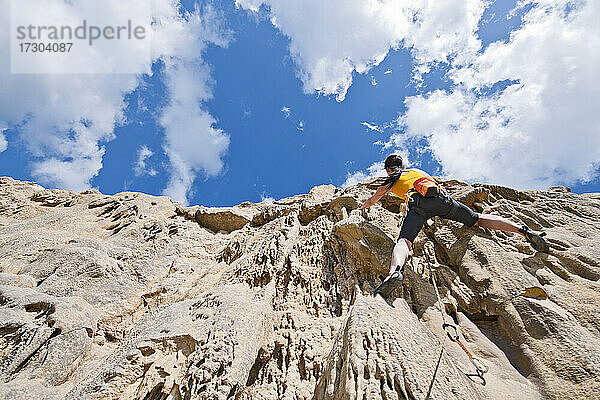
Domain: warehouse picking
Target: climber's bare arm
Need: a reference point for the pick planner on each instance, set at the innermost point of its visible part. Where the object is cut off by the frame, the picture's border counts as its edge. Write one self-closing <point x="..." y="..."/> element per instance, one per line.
<point x="375" y="198"/>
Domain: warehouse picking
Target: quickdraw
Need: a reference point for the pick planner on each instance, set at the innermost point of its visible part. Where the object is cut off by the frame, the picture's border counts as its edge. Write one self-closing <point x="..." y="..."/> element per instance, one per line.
<point x="479" y="365"/>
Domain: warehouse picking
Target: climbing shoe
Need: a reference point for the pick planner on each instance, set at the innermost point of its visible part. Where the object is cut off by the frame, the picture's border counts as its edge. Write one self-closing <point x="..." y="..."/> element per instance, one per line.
<point x="388" y="283"/>
<point x="535" y="239"/>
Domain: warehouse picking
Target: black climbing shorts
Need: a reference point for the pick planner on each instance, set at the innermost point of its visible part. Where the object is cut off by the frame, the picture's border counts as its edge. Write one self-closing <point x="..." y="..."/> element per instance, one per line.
<point x="420" y="209"/>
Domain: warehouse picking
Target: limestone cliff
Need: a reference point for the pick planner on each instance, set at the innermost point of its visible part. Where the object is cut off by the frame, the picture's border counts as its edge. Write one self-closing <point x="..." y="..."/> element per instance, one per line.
<point x="133" y="296"/>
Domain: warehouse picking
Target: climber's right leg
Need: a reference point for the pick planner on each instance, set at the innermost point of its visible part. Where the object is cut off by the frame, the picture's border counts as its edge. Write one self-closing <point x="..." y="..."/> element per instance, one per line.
<point x="413" y="222"/>
<point x="411" y="226"/>
<point x="400" y="254"/>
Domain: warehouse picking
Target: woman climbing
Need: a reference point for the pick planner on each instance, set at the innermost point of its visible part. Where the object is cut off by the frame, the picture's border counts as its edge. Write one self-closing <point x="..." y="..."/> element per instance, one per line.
<point x="426" y="199"/>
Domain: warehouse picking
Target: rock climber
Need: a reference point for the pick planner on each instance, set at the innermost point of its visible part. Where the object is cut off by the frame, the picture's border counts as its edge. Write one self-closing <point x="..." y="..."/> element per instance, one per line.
<point x="426" y="199"/>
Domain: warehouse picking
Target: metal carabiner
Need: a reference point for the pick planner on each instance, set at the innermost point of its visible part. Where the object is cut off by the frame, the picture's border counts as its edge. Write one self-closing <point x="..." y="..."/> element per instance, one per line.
<point x="480" y="366"/>
<point x="449" y="333"/>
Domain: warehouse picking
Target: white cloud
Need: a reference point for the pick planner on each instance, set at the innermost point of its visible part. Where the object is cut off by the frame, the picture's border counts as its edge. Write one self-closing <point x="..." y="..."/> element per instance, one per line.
<point x="373" y="81"/>
<point x="360" y="176"/>
<point x="265" y="198"/>
<point x="3" y="142"/>
<point x="104" y="56"/>
<point x="372" y="127"/>
<point x="71" y="173"/>
<point x="286" y="111"/>
<point x="300" y="126"/>
<point x="329" y="40"/>
<point x="193" y="144"/>
<point x="543" y="129"/>
<point x="64" y="120"/>
<point x="140" y="167"/>
<point x="387" y="72"/>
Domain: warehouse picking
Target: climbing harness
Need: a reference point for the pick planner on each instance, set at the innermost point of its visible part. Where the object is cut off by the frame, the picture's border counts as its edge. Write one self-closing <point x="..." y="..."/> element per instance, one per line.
<point x="452" y="333"/>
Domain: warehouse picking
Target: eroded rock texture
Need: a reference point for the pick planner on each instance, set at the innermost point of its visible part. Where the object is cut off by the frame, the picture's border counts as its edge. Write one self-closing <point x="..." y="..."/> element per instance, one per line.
<point x="136" y="297"/>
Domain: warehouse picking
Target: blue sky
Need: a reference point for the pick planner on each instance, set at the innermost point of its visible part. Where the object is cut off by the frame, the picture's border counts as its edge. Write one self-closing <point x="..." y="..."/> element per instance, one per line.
<point x="286" y="136"/>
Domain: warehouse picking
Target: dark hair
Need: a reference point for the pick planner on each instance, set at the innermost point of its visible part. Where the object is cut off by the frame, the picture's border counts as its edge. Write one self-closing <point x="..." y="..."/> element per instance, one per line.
<point x="393" y="161"/>
<point x="395" y="164"/>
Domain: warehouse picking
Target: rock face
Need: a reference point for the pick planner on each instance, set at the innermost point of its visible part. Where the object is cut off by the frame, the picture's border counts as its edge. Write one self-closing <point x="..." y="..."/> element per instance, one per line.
<point x="133" y="296"/>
